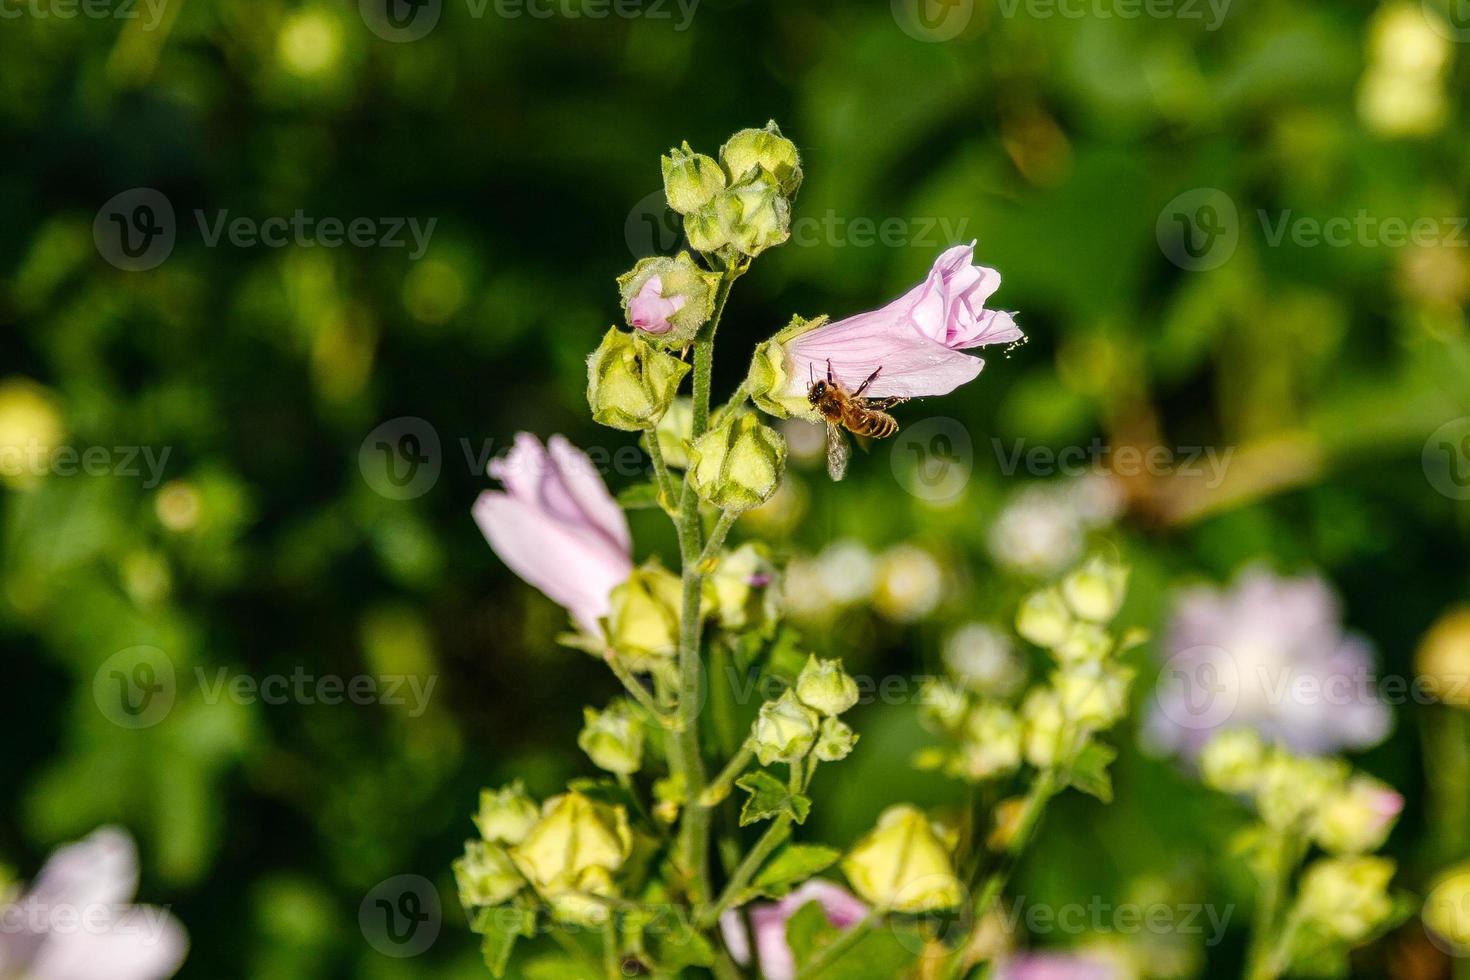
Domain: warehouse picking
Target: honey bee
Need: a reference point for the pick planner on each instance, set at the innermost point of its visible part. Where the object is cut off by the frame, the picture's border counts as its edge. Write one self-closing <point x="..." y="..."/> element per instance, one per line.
<point x="843" y="409"/>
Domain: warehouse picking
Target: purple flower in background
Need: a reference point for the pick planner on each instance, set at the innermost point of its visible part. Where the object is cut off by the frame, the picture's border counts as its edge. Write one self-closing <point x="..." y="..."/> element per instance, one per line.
<point x="1268" y="653"/>
<point x="916" y="339"/>
<point x="556" y="526"/>
<point x="77" y="920"/>
<point x="768" y="920"/>
<point x="1055" y="966"/>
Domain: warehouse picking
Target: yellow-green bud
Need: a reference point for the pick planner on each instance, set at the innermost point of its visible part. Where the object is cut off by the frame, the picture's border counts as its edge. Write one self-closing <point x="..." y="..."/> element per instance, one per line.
<point x="942" y="704"/>
<point x="763" y="151"/>
<point x="1044" y="618"/>
<point x="506" y="815"/>
<point x="902" y="865"/>
<point x="613" y="739"/>
<point x="742" y="585"/>
<point x="643" y="621"/>
<point x="755" y="215"/>
<point x="1232" y="761"/>
<point x="1094" y="695"/>
<point x="738" y="464"/>
<point x="992" y="744"/>
<point x="1443" y="660"/>
<point x="691" y="180"/>
<point x="1447" y="909"/>
<point x="1357" y="818"/>
<point x="576" y="904"/>
<point x="1293" y="788"/>
<point x="784" y="731"/>
<point x="707" y="228"/>
<point x="630" y="384"/>
<point x="1084" y="642"/>
<point x="771" y="367"/>
<point x="667" y="299"/>
<point x="824" y="685"/>
<point x="575" y="847"/>
<point x="835" y="741"/>
<point x="1347" y="896"/>
<point x="674" y="431"/>
<point x="1047" y="729"/>
<point x="1095" y="591"/>
<point x="485" y="875"/>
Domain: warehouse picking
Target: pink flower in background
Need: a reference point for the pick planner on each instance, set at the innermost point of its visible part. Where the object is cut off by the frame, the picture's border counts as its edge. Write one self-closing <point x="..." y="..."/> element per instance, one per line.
<point x="768" y="920"/>
<point x="1056" y="966"/>
<point x="556" y="525"/>
<point x="1268" y="653"/>
<point x="77" y="921"/>
<point x="649" y="311"/>
<point x="916" y="339"/>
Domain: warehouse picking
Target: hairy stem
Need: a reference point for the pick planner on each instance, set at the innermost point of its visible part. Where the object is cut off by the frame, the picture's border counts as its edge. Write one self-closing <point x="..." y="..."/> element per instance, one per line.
<point x="719" y="787"/>
<point x="773" y="838"/>
<point x="666" y="496"/>
<point x="641" y="694"/>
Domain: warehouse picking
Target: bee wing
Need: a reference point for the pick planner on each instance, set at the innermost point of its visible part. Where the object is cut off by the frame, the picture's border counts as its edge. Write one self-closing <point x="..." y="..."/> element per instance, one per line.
<point x="838" y="452"/>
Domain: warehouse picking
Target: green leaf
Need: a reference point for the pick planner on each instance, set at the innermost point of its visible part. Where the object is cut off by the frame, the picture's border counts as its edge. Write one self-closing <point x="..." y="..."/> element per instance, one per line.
<point x="501" y="926"/>
<point x="1089" y="772"/>
<point x="640" y="496"/>
<point x="677" y="945"/>
<point x="887" y="952"/>
<point x="769" y="798"/>
<point x="787" y="868"/>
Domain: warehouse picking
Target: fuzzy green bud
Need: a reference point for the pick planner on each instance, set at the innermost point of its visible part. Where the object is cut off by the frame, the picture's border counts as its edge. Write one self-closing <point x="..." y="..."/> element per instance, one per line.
<point x="993" y="737"/>
<point x="903" y="865"/>
<point x="764" y="151"/>
<point x="1347" y="897"/>
<point x="784" y="731"/>
<point x="1095" y="591"/>
<point x="707" y="229"/>
<point x="1047" y="730"/>
<point x="1094" y="695"/>
<point x="506" y="815"/>
<point x="755" y="215"/>
<point x="769" y="378"/>
<point x="613" y="739"/>
<point x="1044" y="618"/>
<point x="738" y="464"/>
<point x="1357" y="818"/>
<point x="742" y="586"/>
<point x="667" y="299"/>
<point x="691" y="180"/>
<point x="630" y="384"/>
<point x="1293" y="788"/>
<point x="1085" y="642"/>
<point x="485" y="875"/>
<point x="835" y="741"/>
<point x="1232" y="761"/>
<point x="1447" y="908"/>
<point x="643" y="622"/>
<point x="825" y="686"/>
<point x="575" y="847"/>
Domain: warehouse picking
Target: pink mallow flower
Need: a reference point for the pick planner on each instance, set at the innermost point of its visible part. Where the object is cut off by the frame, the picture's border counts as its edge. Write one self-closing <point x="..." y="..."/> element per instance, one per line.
<point x="1056" y="966"/>
<point x="917" y="341"/>
<point x="650" y="311"/>
<point x="768" y="920"/>
<point x="556" y="526"/>
<point x="77" y="920"/>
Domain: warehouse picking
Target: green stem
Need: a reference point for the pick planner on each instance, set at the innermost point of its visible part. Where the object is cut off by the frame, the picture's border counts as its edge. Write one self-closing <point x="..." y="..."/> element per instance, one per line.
<point x="773" y="838"/>
<point x="717" y="536"/>
<point x="719" y="787"/>
<point x="610" y="961"/>
<point x="666" y="498"/>
<point x="844" y="942"/>
<point x="725" y="968"/>
<point x="1263" y="958"/>
<point x="641" y="694"/>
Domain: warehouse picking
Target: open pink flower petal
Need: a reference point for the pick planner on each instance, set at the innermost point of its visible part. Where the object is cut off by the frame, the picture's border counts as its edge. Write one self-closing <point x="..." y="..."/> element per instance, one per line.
<point x="768" y="920"/>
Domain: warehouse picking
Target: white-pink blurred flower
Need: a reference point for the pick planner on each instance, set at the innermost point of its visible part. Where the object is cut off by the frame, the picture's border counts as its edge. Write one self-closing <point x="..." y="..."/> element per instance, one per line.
<point x="650" y="310"/>
<point x="768" y="920"/>
<point x="1270" y="654"/>
<point x="557" y="526"/>
<point x="917" y="340"/>
<point x="1056" y="966"/>
<point x="77" y="920"/>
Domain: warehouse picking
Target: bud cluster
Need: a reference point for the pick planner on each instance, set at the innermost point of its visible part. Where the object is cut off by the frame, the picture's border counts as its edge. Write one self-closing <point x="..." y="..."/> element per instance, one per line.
<point x="739" y="206"/>
<point x="804" y="719"/>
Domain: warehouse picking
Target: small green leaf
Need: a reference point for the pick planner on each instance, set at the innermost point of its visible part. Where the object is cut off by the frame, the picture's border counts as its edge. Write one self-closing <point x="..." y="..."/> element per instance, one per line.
<point x="640" y="496"/>
<point x="1089" y="772"/>
<point x="769" y="798"/>
<point x="787" y="868"/>
<point x="881" y="955"/>
<point x="501" y="926"/>
<point x="677" y="945"/>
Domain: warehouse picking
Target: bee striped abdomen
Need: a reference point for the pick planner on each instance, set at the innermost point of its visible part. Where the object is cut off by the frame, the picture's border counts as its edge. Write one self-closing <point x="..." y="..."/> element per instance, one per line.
<point x="873" y="424"/>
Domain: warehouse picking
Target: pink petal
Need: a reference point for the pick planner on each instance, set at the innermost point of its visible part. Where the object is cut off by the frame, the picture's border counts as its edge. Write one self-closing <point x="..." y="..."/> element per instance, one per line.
<point x="523" y="468"/>
<point x="736" y="937"/>
<point x="144" y="943"/>
<point x="912" y="365"/>
<point x="843" y="911"/>
<point x="649" y="311"/>
<point x="990" y="327"/>
<point x="100" y="870"/>
<point x="584" y="484"/>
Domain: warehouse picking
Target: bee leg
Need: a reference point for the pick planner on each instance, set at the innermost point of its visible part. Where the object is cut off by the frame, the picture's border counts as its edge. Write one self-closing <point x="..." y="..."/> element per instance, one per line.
<point x="864" y="386"/>
<point x="830" y="379"/>
<point x="883" y="404"/>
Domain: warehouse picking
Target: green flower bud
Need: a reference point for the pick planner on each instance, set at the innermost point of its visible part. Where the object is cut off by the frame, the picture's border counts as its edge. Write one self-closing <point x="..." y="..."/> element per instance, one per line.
<point x="668" y="299"/>
<point x="763" y="151"/>
<point x="1084" y="643"/>
<point x="1232" y="761"/>
<point x="992" y="744"/>
<point x="613" y="739"/>
<point x="1095" y="591"/>
<point x="1447" y="908"/>
<point x="824" y="685"/>
<point x="1292" y="789"/>
<point x="576" y="904"/>
<point x="784" y="731"/>
<point x="743" y="592"/>
<point x="1044" y="618"/>
<point x="1347" y="897"/>
<point x="1094" y="695"/>
<point x="643" y="622"/>
<point x="1357" y="818"/>
<point x="630" y="384"/>
<point x="1047" y="728"/>
<point x="674" y="431"/>
<point x="738" y="464"/>
<point x="902" y="865"/>
<point x="485" y="875"/>
<point x="707" y="229"/>
<point x="768" y="380"/>
<point x="669" y="797"/>
<point x="942" y="704"/>
<point x="835" y="741"/>
<point x="506" y="815"/>
<point x="691" y="180"/>
<point x="755" y="215"/>
<point x="575" y="847"/>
